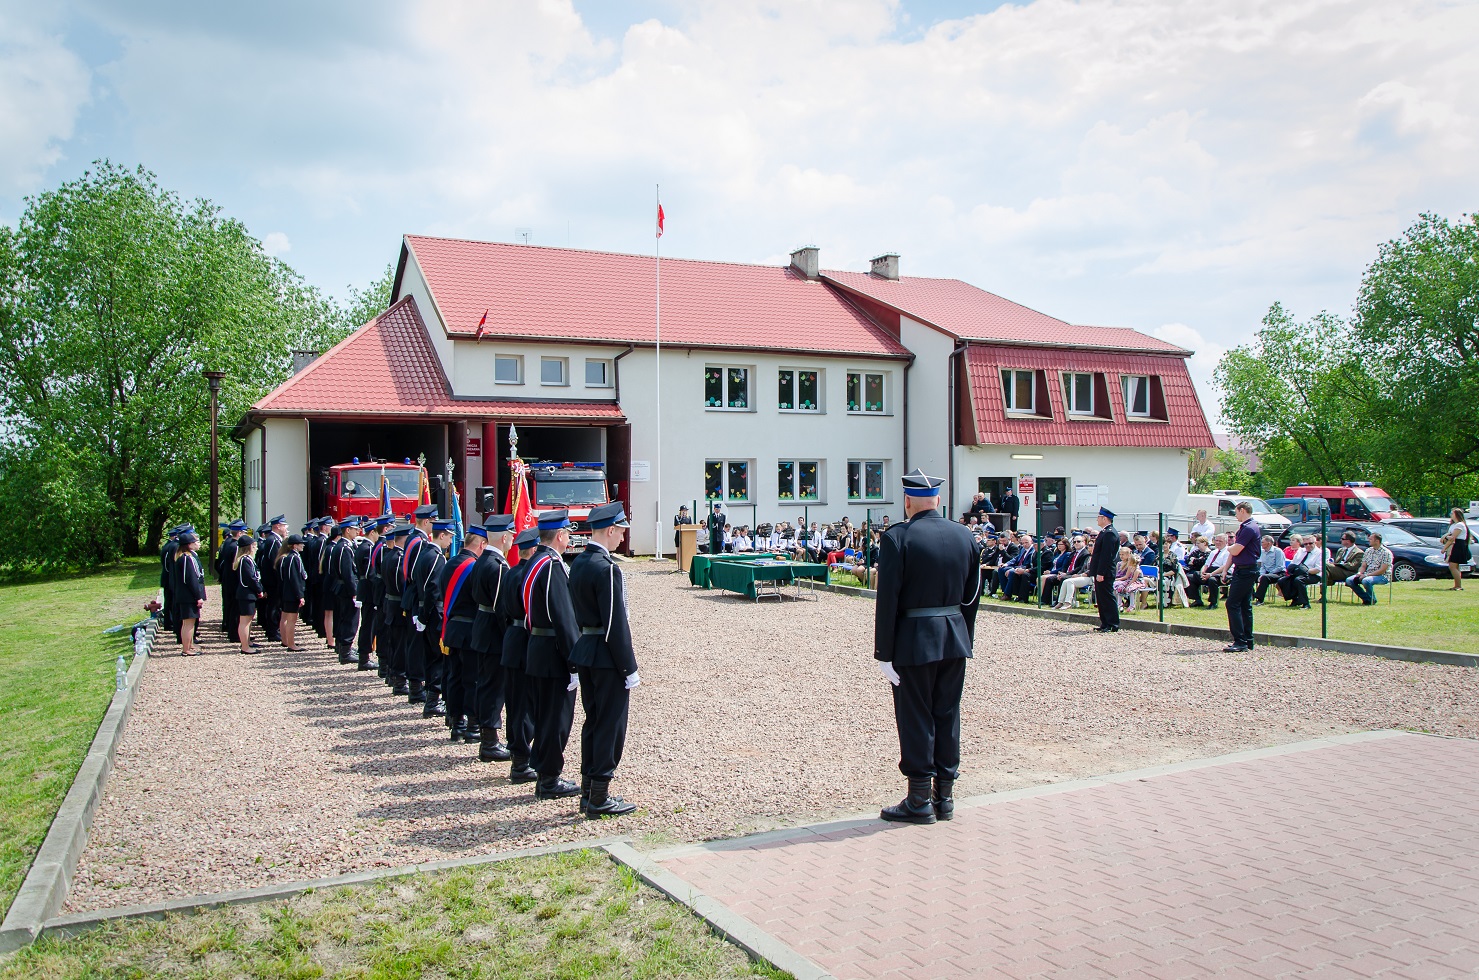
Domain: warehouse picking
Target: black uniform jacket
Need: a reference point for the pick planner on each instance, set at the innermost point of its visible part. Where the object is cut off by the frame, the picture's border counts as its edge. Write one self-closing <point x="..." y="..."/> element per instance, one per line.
<point x="343" y="580"/>
<point x="248" y="582"/>
<point x="598" y="596"/>
<point x="189" y="579"/>
<point x="166" y="568"/>
<point x="292" y="580"/>
<point x="410" y="553"/>
<point x="488" y="623"/>
<point x="511" y="604"/>
<point x="1106" y="557"/>
<point x="390" y="596"/>
<point x="424" y="590"/>
<point x="364" y="570"/>
<point x="267" y="551"/>
<point x="225" y="557"/>
<point x="929" y="564"/>
<point x="457" y="627"/>
<point x="312" y="545"/>
<point x="548" y="598"/>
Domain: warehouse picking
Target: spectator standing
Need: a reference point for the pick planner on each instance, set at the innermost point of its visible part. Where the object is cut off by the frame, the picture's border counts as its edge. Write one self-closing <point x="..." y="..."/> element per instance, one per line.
<point x="1202" y="526"/>
<point x="1376" y="565"/>
<point x="1271" y="562"/>
<point x="1243" y="570"/>
<point x="1457" y="548"/>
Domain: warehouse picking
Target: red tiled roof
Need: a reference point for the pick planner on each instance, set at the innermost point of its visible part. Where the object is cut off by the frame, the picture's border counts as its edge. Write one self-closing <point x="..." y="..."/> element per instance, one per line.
<point x="537" y="292"/>
<point x="974" y="314"/>
<point x="387" y="368"/>
<point x="1186" y="427"/>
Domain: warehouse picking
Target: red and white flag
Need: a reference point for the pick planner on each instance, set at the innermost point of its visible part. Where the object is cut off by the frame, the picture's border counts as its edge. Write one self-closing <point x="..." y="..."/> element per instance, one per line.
<point x="659" y="219"/>
<point x="483" y="323"/>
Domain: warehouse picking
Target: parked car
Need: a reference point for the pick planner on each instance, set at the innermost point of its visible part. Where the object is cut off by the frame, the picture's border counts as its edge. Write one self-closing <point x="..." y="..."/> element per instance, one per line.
<point x="1354" y="500"/>
<point x="1298" y="509"/>
<point x="1411" y="558"/>
<point x="1430" y="531"/>
<point x="1221" y="508"/>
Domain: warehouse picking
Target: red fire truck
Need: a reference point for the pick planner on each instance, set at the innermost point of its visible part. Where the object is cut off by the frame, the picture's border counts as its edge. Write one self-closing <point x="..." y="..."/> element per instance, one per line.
<point x="353" y="489"/>
<point x="576" y="487"/>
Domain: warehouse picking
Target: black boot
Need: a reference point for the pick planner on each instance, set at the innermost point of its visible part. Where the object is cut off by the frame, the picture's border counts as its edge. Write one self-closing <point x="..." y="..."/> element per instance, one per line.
<point x="417" y="693"/>
<point x="398" y="687"/>
<point x="365" y="663"/>
<point x="458" y="725"/>
<point x="474" y="732"/>
<point x="944" y="798"/>
<point x="434" y="707"/>
<point x="555" y="788"/>
<point x="603" y="804"/>
<point x="585" y="794"/>
<point x="343" y="650"/>
<point x="521" y="772"/>
<point x="917" y="807"/>
<point x="492" y="750"/>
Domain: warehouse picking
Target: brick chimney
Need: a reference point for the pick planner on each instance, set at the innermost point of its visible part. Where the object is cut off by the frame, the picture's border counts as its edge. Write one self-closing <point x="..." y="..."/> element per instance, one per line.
<point x="807" y="260"/>
<point x="303" y="358"/>
<point x="886" y="266"/>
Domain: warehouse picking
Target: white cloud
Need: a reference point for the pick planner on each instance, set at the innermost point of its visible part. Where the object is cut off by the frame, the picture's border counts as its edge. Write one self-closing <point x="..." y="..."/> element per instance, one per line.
<point x="42" y="86"/>
<point x="1200" y="365"/>
<point x="276" y="243"/>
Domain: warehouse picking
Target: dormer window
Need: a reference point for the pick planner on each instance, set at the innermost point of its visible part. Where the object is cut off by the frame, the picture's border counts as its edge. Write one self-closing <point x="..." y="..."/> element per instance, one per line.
<point x="1137" y="395"/>
<point x="1019" y="391"/>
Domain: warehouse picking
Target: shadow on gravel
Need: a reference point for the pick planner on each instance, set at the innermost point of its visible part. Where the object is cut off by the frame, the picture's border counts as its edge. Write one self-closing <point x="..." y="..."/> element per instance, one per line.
<point x="396" y="767"/>
<point x="420" y="809"/>
<point x="493" y="775"/>
<point x="338" y="708"/>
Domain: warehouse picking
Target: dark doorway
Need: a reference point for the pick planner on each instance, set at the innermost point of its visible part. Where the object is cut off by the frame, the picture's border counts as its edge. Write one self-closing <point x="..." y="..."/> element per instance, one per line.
<point x="553" y="443"/>
<point x="1052" y="503"/>
<point x="332" y="443"/>
<point x="995" y="487"/>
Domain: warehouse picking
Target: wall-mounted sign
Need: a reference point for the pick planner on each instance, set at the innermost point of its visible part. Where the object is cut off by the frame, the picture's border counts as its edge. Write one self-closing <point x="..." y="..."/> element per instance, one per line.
<point x="474" y="446"/>
<point x="641" y="471"/>
<point x="1026" y="484"/>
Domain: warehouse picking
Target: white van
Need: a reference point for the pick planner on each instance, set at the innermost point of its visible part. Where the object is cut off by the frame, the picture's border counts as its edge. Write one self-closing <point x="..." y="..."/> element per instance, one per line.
<point x="1221" y="507"/>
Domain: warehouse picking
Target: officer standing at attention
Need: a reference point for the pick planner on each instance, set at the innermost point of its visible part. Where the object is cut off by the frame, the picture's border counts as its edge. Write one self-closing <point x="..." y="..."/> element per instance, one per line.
<point x="518" y="691"/>
<point x="486" y="638"/>
<point x="924" y="626"/>
<point x="366" y="553"/>
<point x="392" y="616"/>
<point x="313" y="541"/>
<point x="225" y="560"/>
<point x="167" y="577"/>
<point x="425" y="592"/>
<point x="1011" y="505"/>
<point x="604" y="660"/>
<point x="715" y="524"/>
<point x="416" y="540"/>
<point x="344" y="583"/>
<point x="326" y="598"/>
<point x="552" y="635"/>
<point x="1103" y="564"/>
<point x="269" y="608"/>
<point x="459" y="610"/>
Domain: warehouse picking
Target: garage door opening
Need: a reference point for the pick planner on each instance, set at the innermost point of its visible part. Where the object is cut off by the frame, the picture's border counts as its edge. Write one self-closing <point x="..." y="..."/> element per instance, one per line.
<point x="332" y="443"/>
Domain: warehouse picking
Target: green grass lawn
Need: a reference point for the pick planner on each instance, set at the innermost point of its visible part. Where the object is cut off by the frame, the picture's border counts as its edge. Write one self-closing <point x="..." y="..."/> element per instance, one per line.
<point x="58" y="669"/>
<point x="570" y="915"/>
<point x="1420" y="614"/>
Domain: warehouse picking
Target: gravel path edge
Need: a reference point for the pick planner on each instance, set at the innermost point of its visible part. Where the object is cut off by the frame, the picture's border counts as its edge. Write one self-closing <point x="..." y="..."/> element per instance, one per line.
<point x="46" y="884"/>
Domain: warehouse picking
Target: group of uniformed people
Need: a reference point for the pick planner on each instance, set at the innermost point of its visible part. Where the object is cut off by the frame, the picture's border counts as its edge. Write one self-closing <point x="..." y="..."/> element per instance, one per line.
<point x="469" y="637"/>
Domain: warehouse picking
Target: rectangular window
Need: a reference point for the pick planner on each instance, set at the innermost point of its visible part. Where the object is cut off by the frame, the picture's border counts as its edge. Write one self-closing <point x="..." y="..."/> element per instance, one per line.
<point x="798" y="479"/>
<point x="1137" y="395"/>
<point x="552" y="370"/>
<point x="865" y="480"/>
<point x="865" y="392"/>
<point x="1019" y="391"/>
<point x="597" y="373"/>
<point x="1078" y="393"/>
<point x="726" y="388"/>
<point x="508" y="369"/>
<point x="800" y="391"/>
<point x="727" y="479"/>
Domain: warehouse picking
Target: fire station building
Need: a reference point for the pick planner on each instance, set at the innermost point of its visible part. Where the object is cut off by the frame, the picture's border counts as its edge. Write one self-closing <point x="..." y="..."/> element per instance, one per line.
<point x="783" y="392"/>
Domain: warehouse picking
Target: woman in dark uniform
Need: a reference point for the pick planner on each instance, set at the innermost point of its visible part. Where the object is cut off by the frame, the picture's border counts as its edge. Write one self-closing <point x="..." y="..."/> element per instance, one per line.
<point x="248" y="591"/>
<point x="292" y="579"/>
<point x="189" y="591"/>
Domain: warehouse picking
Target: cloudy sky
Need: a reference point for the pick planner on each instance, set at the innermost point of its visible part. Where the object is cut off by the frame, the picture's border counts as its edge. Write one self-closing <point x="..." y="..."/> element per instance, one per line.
<point x="1170" y="166"/>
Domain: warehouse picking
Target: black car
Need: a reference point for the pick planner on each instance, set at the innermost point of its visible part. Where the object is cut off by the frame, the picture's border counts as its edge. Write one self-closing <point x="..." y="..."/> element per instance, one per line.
<point x="1411" y="558"/>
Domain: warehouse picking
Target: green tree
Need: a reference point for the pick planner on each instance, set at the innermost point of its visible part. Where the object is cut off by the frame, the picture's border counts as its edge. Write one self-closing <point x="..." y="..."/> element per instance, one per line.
<point x="1228" y="471"/>
<point x="363" y="305"/>
<point x="114" y="296"/>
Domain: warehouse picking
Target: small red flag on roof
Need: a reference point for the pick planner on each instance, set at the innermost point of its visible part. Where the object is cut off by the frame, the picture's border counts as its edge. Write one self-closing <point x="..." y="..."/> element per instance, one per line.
<point x="483" y="323"/>
<point x="659" y="219"/>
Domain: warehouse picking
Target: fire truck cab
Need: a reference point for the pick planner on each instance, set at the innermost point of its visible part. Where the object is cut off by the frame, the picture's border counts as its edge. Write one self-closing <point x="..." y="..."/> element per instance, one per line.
<point x="576" y="487"/>
<point x="353" y="489"/>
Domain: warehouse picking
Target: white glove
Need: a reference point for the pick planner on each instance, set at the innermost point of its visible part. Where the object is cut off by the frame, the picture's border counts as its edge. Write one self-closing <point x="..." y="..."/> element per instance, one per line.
<point x="420" y="626"/>
<point x="574" y="682"/>
<point x="887" y="670"/>
<point x="358" y="604"/>
<point x="633" y="680"/>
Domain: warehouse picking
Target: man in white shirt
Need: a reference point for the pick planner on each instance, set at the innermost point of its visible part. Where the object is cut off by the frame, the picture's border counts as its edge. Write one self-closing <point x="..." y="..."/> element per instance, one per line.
<point x="1202" y="526"/>
<point x="1172" y="545"/>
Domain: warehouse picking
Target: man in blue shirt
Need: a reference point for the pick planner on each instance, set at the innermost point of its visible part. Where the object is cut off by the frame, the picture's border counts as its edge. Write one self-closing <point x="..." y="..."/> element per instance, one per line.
<point x="1242" y="576"/>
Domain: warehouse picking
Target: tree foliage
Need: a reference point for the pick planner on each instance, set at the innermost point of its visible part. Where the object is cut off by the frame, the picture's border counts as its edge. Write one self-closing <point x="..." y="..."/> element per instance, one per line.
<point x="114" y="296"/>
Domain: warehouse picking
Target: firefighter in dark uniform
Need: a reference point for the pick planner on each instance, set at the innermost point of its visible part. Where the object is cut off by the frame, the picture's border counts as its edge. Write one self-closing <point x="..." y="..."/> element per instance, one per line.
<point x="1103" y="564"/>
<point x="424" y="589"/>
<point x="313" y="545"/>
<point x="459" y="610"/>
<point x="225" y="574"/>
<point x="518" y="692"/>
<point x="393" y="619"/>
<point x="604" y="660"/>
<point x="267" y="551"/>
<point x="929" y="588"/>
<point x="366" y="556"/>
<point x="167" y="578"/>
<point x="412" y="645"/>
<point x="715" y="524"/>
<point x="552" y="635"/>
<point x="486" y="639"/>
<point x="344" y="584"/>
<point x="327" y="600"/>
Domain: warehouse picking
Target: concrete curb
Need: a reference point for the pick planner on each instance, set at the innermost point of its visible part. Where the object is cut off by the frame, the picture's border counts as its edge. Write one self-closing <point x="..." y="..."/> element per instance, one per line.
<point x="46" y="884"/>
<point x="760" y="945"/>
<point x="806" y="832"/>
<point x="1416" y="655"/>
<point x="80" y="922"/>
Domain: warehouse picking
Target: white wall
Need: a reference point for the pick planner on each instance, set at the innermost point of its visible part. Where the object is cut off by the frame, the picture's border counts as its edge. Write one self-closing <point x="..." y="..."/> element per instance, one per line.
<point x="251" y="483"/>
<point x="413" y="283"/>
<point x="287" y="471"/>
<point x="929" y="397"/>
<point x="1141" y="482"/>
<point x="472" y="376"/>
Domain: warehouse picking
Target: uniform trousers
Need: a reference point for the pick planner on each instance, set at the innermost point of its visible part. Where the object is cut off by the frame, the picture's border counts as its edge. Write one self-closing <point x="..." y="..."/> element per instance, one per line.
<point x="458" y="679"/>
<point x="1108" y="602"/>
<point x="393" y="649"/>
<point x="424" y="660"/>
<point x="369" y="617"/>
<point x="554" y="711"/>
<point x="346" y="623"/>
<point x="488" y="690"/>
<point x="603" y="735"/>
<point x="229" y="616"/>
<point x="267" y="613"/>
<point x="519" y="701"/>
<point x="927" y="715"/>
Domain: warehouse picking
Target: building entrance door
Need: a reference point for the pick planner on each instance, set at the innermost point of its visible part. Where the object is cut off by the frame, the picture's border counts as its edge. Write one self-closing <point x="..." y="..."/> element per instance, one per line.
<point x="995" y="487"/>
<point x="1052" y="504"/>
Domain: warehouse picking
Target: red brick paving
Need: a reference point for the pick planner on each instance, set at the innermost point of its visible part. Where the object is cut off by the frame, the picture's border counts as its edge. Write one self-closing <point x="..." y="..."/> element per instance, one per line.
<point x="1357" y="859"/>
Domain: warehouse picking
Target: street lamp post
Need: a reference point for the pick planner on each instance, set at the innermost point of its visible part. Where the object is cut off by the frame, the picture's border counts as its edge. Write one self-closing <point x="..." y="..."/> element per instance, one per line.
<point x="214" y="379"/>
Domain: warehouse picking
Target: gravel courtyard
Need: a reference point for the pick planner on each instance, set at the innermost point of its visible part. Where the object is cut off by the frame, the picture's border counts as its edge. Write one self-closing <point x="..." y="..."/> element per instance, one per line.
<point x="239" y="771"/>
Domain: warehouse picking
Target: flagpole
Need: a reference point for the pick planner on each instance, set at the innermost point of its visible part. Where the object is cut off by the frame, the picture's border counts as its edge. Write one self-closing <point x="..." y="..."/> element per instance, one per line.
<point x="657" y="505"/>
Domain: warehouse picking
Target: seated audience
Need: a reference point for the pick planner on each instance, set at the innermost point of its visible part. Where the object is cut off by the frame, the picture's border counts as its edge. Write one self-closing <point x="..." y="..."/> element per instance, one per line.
<point x="1306" y="569"/>
<point x="1271" y="562"/>
<point x="1213" y="574"/>
<point x="1376" y="566"/>
<point x="1347" y="560"/>
<point x="1129" y="581"/>
<point x="1077" y="577"/>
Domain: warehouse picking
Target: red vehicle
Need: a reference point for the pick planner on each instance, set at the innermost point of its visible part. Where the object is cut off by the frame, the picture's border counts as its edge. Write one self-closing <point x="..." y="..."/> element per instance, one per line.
<point x="1352" y="501"/>
<point x="353" y="489"/>
<point x="576" y="487"/>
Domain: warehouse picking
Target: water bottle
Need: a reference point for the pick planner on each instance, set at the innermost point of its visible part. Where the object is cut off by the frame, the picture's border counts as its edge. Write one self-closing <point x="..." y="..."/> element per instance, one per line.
<point x="122" y="673"/>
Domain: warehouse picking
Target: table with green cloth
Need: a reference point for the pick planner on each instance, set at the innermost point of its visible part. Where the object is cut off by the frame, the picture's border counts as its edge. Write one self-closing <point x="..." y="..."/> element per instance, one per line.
<point x="698" y="568"/>
<point x="742" y="577"/>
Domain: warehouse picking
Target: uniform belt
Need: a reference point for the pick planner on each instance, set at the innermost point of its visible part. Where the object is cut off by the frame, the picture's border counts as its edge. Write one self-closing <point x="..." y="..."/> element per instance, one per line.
<point x="461" y="619"/>
<point x="593" y="630"/>
<point x="929" y="612"/>
<point x="392" y="595"/>
<point x="487" y="609"/>
<point x="540" y="631"/>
